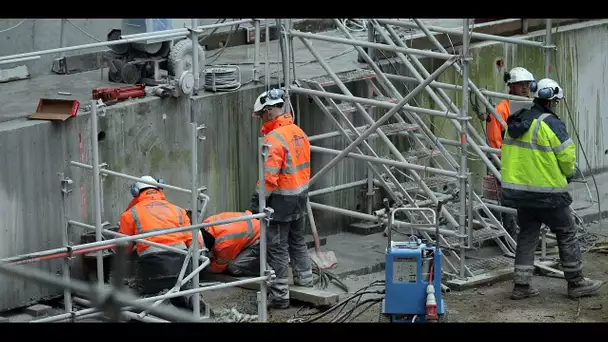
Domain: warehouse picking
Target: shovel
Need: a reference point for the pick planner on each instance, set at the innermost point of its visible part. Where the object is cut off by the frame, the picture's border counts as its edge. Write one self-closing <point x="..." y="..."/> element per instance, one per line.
<point x="324" y="260"/>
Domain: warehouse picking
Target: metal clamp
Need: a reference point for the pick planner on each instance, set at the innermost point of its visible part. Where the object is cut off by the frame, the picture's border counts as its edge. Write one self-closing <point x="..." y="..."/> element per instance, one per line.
<point x="271" y="276"/>
<point x="70" y="258"/>
<point x="265" y="149"/>
<point x="103" y="166"/>
<point x="65" y="184"/>
<point x="269" y="212"/>
<point x="200" y="128"/>
<point x="195" y="31"/>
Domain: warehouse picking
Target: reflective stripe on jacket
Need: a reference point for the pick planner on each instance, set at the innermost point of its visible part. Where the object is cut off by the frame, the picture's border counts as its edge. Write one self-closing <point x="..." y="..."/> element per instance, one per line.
<point x="537" y="156"/>
<point x="150" y="211"/>
<point x="230" y="239"/>
<point x="494" y="129"/>
<point x="287" y="168"/>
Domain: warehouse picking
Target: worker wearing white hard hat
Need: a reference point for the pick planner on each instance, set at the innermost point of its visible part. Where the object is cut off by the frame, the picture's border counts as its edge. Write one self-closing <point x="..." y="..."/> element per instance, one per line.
<point x="518" y="80"/>
<point x="149" y="210"/>
<point x="286" y="177"/>
<point x="538" y="158"/>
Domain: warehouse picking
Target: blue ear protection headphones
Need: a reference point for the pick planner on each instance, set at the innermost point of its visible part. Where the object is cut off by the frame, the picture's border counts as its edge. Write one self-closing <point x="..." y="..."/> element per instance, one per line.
<point x="544" y="93"/>
<point x="273" y="94"/>
<point x="135" y="189"/>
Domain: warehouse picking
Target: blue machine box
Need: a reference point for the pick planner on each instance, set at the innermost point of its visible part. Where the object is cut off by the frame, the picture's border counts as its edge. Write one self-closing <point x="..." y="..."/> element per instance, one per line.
<point x="408" y="267"/>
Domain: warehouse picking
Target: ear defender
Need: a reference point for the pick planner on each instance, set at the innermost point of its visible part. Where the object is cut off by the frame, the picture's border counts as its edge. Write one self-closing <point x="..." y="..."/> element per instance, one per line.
<point x="547" y="93"/>
<point x="533" y="86"/>
<point x="506" y="76"/>
<point x="134" y="190"/>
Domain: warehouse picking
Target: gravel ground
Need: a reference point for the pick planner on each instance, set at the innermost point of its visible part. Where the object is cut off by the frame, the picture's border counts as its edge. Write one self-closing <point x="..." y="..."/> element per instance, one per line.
<point x="466" y="306"/>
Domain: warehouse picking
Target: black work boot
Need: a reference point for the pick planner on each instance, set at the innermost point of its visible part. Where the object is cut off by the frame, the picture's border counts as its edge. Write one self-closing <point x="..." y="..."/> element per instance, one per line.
<point x="523" y="291"/>
<point x="583" y="288"/>
<point x="280" y="304"/>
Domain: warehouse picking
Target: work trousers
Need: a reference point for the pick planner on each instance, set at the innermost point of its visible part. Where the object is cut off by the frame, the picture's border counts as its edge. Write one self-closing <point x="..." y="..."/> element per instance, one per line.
<point x="247" y="263"/>
<point x="286" y="241"/>
<point x="159" y="271"/>
<point x="561" y="223"/>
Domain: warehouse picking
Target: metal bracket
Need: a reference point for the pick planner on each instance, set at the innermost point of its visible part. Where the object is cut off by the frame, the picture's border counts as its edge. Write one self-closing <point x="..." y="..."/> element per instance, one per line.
<point x="200" y="128"/>
<point x="271" y="276"/>
<point x="265" y="149"/>
<point x="191" y="30"/>
<point x="102" y="107"/>
<point x="201" y="192"/>
<point x="65" y="184"/>
<point x="269" y="212"/>
<point x="103" y="166"/>
<point x="70" y="258"/>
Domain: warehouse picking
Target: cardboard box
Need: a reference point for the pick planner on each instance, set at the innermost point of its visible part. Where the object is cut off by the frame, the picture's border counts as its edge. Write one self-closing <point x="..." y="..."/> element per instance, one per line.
<point x="55" y="110"/>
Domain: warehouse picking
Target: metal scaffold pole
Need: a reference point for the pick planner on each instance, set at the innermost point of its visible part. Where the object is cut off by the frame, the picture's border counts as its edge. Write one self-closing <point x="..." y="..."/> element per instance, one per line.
<point x="196" y="303"/>
<point x="463" y="140"/>
<point x="548" y="49"/>
<point x="262" y="294"/>
<point x="96" y="190"/>
<point x="382" y="120"/>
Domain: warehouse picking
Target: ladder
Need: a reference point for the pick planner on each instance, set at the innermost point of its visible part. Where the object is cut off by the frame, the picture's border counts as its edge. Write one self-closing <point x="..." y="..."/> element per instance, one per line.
<point x="403" y="190"/>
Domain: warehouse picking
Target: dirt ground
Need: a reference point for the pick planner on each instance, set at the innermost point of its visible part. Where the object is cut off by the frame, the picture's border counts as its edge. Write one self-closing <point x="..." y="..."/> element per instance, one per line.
<point x="483" y="304"/>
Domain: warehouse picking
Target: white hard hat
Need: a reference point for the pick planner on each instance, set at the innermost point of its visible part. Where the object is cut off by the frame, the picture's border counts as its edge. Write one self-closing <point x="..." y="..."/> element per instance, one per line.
<point x="137" y="187"/>
<point x="518" y="74"/>
<point x="269" y="98"/>
<point x="547" y="89"/>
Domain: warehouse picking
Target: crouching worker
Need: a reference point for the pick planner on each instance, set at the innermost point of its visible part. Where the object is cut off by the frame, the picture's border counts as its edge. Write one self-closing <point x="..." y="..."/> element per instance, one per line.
<point x="158" y="269"/>
<point x="234" y="247"/>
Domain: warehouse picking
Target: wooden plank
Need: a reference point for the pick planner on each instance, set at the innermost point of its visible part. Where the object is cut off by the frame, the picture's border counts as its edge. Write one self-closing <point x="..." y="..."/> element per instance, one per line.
<point x="308" y="295"/>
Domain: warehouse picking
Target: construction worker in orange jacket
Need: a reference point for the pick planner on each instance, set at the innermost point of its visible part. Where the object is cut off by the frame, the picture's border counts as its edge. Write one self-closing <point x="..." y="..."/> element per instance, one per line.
<point x="518" y="80"/>
<point x="286" y="177"/>
<point x="158" y="268"/>
<point x="234" y="247"/>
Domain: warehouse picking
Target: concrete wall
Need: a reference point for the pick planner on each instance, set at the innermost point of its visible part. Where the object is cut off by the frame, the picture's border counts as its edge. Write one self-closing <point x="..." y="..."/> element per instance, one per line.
<point x="44" y="34"/>
<point x="579" y="65"/>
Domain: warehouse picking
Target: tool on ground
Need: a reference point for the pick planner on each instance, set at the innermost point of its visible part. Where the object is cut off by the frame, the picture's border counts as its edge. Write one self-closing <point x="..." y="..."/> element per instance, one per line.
<point x="324" y="260"/>
<point x="413" y="275"/>
<point x="118" y="94"/>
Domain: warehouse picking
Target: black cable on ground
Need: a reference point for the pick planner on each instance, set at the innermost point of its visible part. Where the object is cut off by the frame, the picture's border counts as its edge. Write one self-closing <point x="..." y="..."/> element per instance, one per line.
<point x="335" y="307"/>
<point x="347" y="314"/>
<point x="375" y="302"/>
<point x="325" y="277"/>
<point x="372" y="284"/>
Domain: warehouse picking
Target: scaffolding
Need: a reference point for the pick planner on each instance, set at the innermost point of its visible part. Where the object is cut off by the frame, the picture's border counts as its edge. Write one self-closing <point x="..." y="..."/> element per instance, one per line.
<point x="470" y="209"/>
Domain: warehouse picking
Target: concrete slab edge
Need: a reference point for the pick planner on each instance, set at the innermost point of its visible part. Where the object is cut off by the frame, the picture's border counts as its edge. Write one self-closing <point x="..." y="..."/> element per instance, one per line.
<point x="483" y="279"/>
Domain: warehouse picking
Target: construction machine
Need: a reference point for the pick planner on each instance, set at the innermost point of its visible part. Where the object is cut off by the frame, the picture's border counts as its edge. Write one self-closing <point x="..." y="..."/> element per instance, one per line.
<point x="159" y="62"/>
<point x="413" y="275"/>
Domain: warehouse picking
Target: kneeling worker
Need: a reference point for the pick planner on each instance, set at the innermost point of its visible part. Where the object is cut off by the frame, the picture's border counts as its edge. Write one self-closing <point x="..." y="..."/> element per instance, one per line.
<point x="235" y="247"/>
<point x="158" y="268"/>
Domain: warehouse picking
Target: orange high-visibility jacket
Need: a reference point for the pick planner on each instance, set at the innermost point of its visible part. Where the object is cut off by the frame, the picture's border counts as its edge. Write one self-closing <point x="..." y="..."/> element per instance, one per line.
<point x="287" y="169"/>
<point x="231" y="239"/>
<point x="494" y="128"/>
<point x="149" y="211"/>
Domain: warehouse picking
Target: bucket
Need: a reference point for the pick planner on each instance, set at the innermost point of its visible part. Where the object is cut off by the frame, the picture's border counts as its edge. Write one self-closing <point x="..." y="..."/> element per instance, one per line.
<point x="491" y="188"/>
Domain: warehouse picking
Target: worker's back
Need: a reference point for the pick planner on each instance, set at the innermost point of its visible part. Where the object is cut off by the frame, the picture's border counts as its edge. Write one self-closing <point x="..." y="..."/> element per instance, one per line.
<point x="230" y="239"/>
<point x="287" y="169"/>
<point x="537" y="156"/>
<point x="151" y="211"/>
